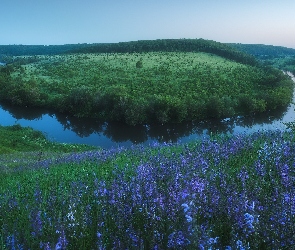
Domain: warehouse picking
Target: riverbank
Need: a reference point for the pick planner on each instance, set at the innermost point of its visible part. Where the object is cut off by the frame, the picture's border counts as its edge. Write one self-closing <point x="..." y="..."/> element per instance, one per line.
<point x="66" y="129"/>
<point x="24" y="139"/>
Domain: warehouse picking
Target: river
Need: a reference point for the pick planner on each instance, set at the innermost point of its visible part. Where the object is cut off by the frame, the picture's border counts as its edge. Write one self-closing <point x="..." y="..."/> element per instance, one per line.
<point x="67" y="129"/>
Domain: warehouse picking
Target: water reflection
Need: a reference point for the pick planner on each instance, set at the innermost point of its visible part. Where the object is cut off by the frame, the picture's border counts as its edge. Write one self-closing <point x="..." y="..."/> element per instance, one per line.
<point x="26" y="113"/>
<point x="263" y="118"/>
<point x="92" y="131"/>
<point x="81" y="126"/>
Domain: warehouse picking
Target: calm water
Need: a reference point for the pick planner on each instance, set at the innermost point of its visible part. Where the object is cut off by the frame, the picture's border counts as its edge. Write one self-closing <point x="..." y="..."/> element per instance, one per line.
<point x="63" y="128"/>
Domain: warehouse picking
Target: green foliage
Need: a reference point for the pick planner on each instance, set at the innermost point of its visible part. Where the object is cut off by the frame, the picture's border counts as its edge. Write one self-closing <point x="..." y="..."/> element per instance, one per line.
<point x="24" y="139"/>
<point x="286" y="63"/>
<point x="79" y="101"/>
<point x="21" y="50"/>
<point x="136" y="111"/>
<point x="276" y="56"/>
<point x="167" y="87"/>
<point x="264" y="52"/>
<point x="139" y="64"/>
<point x="170" y="45"/>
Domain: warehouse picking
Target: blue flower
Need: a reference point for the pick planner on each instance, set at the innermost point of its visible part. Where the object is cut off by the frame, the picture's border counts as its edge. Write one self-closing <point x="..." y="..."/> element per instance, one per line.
<point x="249" y="220"/>
<point x="185" y="207"/>
<point x="188" y="218"/>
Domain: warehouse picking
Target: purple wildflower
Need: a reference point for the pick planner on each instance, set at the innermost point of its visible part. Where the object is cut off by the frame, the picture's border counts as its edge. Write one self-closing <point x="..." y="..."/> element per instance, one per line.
<point x="37" y="223"/>
<point x="62" y="241"/>
<point x="177" y="239"/>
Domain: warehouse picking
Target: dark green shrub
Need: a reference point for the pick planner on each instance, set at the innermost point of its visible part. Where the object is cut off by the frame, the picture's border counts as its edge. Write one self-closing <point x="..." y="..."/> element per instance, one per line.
<point x="23" y="93"/>
<point x="136" y="112"/>
<point x="79" y="101"/>
<point x="214" y="107"/>
<point x="159" y="110"/>
<point x="139" y="64"/>
<point x="248" y="104"/>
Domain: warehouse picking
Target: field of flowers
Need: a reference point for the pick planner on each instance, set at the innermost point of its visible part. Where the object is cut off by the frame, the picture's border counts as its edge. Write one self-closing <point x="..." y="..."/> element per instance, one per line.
<point x="226" y="192"/>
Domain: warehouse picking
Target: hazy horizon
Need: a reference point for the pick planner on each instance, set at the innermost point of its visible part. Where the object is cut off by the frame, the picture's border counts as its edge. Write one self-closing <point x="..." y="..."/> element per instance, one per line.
<point x="41" y="22"/>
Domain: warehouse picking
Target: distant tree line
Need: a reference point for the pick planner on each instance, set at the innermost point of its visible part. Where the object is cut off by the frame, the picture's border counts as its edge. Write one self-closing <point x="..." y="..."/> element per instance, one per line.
<point x="276" y="56"/>
<point x="170" y="45"/>
<point x="31" y="50"/>
<point x="264" y="52"/>
<point x="233" y="51"/>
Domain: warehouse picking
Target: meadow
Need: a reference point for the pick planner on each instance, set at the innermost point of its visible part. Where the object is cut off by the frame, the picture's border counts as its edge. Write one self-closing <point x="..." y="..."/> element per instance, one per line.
<point x="222" y="192"/>
<point x="144" y="88"/>
<point x="225" y="192"/>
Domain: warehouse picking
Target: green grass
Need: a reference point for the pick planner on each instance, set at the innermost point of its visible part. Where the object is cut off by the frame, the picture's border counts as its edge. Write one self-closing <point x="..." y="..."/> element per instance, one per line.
<point x="25" y="139"/>
<point x="23" y="146"/>
<point x="98" y="71"/>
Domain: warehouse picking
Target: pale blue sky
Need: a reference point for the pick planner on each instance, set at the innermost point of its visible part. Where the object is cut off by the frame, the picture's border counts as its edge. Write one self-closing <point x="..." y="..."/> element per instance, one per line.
<point x="96" y="21"/>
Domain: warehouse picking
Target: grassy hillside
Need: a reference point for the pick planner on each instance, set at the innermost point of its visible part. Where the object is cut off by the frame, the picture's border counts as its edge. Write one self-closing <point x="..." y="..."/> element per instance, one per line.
<point x="147" y="87"/>
<point x="14" y="139"/>
<point x="219" y="193"/>
<point x="279" y="57"/>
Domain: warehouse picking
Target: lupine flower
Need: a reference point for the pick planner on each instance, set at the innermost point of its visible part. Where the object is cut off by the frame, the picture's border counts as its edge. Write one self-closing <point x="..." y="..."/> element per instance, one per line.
<point x="185" y="207"/>
<point x="249" y="220"/>
<point x="177" y="239"/>
<point x="36" y="223"/>
<point x="239" y="245"/>
<point x="62" y="241"/>
<point x="10" y="241"/>
<point x="188" y="218"/>
<point x="46" y="246"/>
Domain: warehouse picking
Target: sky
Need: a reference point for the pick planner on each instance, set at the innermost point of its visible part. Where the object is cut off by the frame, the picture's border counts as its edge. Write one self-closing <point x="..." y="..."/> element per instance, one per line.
<point x="50" y="22"/>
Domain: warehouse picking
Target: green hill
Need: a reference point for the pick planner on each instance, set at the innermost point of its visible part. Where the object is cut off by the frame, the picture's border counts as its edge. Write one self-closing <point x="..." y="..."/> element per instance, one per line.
<point x="262" y="51"/>
<point x="156" y="81"/>
<point x="277" y="56"/>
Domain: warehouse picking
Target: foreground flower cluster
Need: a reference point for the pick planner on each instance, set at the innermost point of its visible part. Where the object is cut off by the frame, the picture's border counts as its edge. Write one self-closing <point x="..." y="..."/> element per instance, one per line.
<point x="223" y="193"/>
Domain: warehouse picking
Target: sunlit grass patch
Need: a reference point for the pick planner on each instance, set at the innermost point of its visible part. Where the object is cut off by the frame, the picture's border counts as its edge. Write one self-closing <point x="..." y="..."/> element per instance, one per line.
<point x="106" y="66"/>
